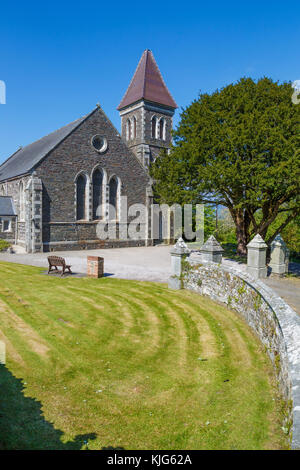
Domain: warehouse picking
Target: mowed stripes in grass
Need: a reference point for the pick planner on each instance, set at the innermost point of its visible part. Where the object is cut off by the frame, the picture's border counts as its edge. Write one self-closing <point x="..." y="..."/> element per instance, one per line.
<point x="114" y="363"/>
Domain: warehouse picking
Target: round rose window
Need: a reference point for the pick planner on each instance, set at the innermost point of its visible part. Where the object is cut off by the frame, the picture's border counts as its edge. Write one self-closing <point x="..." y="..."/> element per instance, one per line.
<point x="99" y="143"/>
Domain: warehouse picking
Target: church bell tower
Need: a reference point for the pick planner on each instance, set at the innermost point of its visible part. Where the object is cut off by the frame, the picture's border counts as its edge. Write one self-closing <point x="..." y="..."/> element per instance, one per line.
<point x="146" y="111"/>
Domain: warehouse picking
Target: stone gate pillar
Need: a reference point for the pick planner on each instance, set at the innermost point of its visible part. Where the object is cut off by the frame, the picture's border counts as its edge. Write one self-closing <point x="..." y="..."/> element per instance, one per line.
<point x="211" y="250"/>
<point x="256" y="259"/>
<point x="178" y="251"/>
<point x="278" y="256"/>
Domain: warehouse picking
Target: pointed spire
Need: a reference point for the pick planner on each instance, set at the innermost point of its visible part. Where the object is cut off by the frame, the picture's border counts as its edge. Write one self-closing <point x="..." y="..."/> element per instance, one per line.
<point x="147" y="83"/>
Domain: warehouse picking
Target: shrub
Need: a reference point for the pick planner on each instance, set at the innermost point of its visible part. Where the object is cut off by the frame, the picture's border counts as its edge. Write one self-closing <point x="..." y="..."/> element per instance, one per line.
<point x="4" y="245"/>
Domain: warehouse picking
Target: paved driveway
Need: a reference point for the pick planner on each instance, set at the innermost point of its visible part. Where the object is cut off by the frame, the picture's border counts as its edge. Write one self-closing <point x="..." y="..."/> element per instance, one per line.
<point x="288" y="289"/>
<point x="145" y="264"/>
<point x="141" y="263"/>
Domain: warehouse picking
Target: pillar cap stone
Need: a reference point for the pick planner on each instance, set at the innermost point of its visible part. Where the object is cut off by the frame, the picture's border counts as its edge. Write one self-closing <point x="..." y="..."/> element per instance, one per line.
<point x="212" y="246"/>
<point x="180" y="248"/>
<point x="278" y="241"/>
<point x="257" y="242"/>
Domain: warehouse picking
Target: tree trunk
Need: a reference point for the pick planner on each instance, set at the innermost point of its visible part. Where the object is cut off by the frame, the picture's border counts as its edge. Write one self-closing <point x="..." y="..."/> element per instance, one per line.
<point x="241" y="233"/>
<point x="241" y="246"/>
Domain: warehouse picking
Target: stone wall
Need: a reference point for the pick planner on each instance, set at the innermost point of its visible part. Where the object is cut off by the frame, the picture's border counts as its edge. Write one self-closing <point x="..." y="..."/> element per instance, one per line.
<point x="275" y="323"/>
<point x="83" y="235"/>
<point x="11" y="235"/>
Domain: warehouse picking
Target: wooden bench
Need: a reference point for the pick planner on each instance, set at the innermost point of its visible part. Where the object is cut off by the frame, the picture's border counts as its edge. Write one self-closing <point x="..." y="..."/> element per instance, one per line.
<point x="55" y="261"/>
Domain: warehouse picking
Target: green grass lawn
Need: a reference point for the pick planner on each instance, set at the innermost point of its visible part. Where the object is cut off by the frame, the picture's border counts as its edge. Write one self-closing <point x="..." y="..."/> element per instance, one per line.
<point x="124" y="364"/>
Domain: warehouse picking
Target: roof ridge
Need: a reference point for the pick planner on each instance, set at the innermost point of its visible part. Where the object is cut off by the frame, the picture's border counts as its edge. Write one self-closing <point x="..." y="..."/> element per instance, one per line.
<point x="145" y="69"/>
<point x="47" y="135"/>
<point x="12" y="155"/>
<point x="81" y="119"/>
<point x="160" y="74"/>
<point x="51" y="146"/>
<point x="131" y="81"/>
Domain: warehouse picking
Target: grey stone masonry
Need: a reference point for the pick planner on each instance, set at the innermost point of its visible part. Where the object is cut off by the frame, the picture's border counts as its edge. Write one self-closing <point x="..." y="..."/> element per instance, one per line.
<point x="211" y="250"/>
<point x="279" y="257"/>
<point x="178" y="251"/>
<point x="58" y="172"/>
<point x="144" y="145"/>
<point x="33" y="207"/>
<point x="256" y="259"/>
<point x="274" y="322"/>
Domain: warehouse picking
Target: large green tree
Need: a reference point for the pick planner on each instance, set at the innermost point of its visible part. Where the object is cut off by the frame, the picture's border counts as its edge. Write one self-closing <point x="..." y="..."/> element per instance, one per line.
<point x="238" y="147"/>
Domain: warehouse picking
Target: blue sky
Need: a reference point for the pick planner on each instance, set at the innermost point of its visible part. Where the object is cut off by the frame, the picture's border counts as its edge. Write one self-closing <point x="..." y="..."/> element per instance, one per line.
<point x="58" y="59"/>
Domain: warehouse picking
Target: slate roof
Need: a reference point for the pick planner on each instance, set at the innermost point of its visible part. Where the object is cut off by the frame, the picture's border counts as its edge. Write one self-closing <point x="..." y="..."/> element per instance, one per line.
<point x="147" y="83"/>
<point x="24" y="159"/>
<point x="7" y="207"/>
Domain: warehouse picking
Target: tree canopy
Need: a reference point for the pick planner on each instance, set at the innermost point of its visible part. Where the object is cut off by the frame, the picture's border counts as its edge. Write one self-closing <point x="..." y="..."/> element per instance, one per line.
<point x="238" y="147"/>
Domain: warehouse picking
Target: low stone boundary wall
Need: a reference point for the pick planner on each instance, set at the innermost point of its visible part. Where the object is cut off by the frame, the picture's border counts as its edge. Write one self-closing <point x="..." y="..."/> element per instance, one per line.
<point x="275" y="323"/>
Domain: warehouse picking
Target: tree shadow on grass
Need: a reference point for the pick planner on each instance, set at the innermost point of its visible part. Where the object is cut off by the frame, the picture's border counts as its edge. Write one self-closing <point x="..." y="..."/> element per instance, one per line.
<point x="22" y="424"/>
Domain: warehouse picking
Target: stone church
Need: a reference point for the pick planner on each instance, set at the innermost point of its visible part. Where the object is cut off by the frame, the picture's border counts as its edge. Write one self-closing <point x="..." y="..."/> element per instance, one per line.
<point x="56" y="191"/>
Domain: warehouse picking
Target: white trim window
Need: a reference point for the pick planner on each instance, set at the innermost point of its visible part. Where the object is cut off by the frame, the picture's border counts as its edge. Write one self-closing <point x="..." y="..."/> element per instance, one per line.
<point x="162" y="129"/>
<point x="114" y="196"/>
<point x="134" y="127"/>
<point x="154" y="127"/>
<point x="6" y="225"/>
<point x="82" y="194"/>
<point x="128" y="129"/>
<point x="98" y="179"/>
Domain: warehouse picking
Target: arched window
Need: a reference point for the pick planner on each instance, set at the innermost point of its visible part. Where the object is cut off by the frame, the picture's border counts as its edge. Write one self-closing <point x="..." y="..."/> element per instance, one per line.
<point x="134" y="127"/>
<point x="153" y="127"/>
<point x="21" y="202"/>
<point x="81" y="184"/>
<point x="97" y="194"/>
<point x="128" y="129"/>
<point x="113" y="198"/>
<point x="162" y="129"/>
